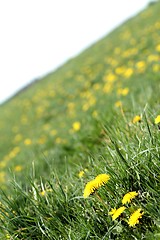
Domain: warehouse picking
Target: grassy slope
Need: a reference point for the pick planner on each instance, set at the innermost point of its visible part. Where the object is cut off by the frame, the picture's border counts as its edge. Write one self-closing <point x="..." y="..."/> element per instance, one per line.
<point x="38" y="138"/>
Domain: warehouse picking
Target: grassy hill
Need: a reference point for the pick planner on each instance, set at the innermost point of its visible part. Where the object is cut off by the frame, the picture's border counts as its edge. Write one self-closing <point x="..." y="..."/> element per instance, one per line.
<point x="74" y="143"/>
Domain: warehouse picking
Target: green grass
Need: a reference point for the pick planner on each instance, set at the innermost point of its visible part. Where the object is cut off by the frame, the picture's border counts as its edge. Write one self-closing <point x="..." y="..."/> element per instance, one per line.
<point x="80" y="118"/>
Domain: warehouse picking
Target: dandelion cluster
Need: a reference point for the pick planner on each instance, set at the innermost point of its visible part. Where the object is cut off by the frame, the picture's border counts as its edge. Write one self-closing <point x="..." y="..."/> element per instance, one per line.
<point x="99" y="181"/>
<point x="134" y="217"/>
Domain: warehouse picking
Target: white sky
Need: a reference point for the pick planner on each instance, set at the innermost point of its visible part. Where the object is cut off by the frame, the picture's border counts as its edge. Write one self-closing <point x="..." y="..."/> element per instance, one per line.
<point x="36" y="36"/>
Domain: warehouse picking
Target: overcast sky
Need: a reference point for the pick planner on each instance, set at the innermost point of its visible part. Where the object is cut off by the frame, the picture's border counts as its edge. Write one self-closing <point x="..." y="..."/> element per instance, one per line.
<point x="36" y="36"/>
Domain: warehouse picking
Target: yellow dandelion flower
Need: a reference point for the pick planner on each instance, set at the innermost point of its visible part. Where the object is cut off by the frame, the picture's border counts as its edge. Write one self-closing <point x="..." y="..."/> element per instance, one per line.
<point x="101" y="179"/>
<point x="93" y="185"/>
<point x="120" y="70"/>
<point x="43" y="193"/>
<point x="128" y="197"/>
<point x="140" y="64"/>
<point x="96" y="86"/>
<point x="158" y="48"/>
<point x="123" y="91"/>
<point x="76" y="126"/>
<point x="85" y="107"/>
<point x="27" y="141"/>
<point x="118" y="104"/>
<point x="18" y="168"/>
<point x="134" y="218"/>
<point x="80" y="174"/>
<point x="42" y="140"/>
<point x="8" y="236"/>
<point x="136" y="119"/>
<point x="16" y="149"/>
<point x="89" y="188"/>
<point x="109" y="78"/>
<point x="95" y="114"/>
<point x="116" y="212"/>
<point x="157" y="119"/>
<point x="53" y="132"/>
<point x="3" y="164"/>
<point x="24" y="120"/>
<point x="152" y="58"/>
<point x="58" y="140"/>
<point x="156" y="67"/>
<point x="2" y="177"/>
<point x="18" y="138"/>
<point x="107" y="87"/>
<point x="128" y="73"/>
<point x="113" y="210"/>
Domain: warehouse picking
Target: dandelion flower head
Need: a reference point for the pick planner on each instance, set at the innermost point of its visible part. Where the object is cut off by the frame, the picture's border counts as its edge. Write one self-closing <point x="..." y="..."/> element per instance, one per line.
<point x="18" y="168"/>
<point x="89" y="188"/>
<point x="134" y="218"/>
<point x="76" y="126"/>
<point x="158" y="48"/>
<point x="93" y="185"/>
<point x="136" y="119"/>
<point x="118" y="104"/>
<point x="157" y="119"/>
<point x="27" y="141"/>
<point x="113" y="210"/>
<point x="101" y="179"/>
<point x="42" y="193"/>
<point x="123" y="91"/>
<point x="116" y="212"/>
<point x="128" y="197"/>
<point x="80" y="174"/>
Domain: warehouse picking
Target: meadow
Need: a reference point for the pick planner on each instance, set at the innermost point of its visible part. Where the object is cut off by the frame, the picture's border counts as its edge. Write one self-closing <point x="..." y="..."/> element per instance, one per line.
<point x="80" y="147"/>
